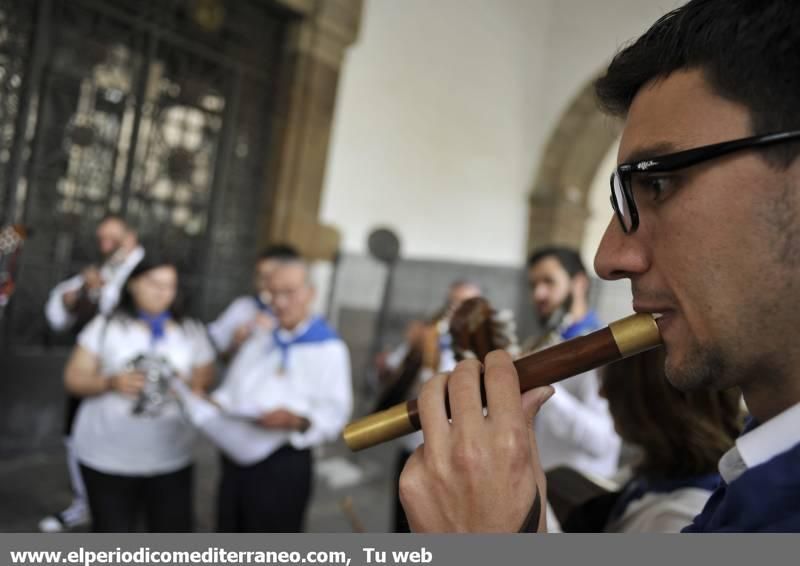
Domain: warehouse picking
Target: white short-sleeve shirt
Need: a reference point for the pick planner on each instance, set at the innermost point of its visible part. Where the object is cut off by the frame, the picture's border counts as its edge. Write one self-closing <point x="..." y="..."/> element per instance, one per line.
<point x="108" y="437"/>
<point x="316" y="384"/>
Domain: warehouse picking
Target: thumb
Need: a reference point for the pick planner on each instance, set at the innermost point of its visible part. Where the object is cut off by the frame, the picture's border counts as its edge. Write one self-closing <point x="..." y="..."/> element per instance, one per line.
<point x="533" y="400"/>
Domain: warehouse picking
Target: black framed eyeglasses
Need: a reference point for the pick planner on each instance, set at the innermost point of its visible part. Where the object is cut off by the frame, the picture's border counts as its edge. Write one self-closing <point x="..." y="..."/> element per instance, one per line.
<point x="621" y="187"/>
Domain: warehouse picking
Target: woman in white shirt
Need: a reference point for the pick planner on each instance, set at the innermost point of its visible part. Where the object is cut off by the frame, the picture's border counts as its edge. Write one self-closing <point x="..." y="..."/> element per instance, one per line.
<point x="131" y="438"/>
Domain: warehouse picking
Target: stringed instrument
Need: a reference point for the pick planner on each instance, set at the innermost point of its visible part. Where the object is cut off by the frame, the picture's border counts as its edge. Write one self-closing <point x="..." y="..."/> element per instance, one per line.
<point x="12" y="238"/>
<point x="477" y="329"/>
<point x="423" y="353"/>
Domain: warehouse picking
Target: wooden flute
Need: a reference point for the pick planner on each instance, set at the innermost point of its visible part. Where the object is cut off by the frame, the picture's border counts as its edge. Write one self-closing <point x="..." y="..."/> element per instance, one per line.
<point x="621" y="339"/>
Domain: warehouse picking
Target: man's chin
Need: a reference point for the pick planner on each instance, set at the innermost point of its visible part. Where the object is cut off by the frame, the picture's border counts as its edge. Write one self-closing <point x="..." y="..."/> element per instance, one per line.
<point x="683" y="380"/>
<point x="699" y="369"/>
<point x="289" y="323"/>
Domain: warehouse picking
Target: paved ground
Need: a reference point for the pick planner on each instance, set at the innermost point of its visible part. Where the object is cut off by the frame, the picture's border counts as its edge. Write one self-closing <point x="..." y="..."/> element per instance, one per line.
<point x="34" y="485"/>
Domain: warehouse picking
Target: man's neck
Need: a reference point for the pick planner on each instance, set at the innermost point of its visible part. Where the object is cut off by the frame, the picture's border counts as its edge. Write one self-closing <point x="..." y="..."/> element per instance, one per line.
<point x="295" y="326"/>
<point x="578" y="311"/>
<point x="121" y="254"/>
<point x="768" y="398"/>
<point x="126" y="251"/>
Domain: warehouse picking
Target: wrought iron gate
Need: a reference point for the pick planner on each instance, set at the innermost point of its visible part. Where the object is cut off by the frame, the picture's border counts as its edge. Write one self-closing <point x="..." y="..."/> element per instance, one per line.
<point x="158" y="110"/>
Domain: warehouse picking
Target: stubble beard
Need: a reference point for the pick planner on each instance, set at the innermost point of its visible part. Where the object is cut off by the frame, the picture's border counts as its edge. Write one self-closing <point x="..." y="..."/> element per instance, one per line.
<point x="703" y="367"/>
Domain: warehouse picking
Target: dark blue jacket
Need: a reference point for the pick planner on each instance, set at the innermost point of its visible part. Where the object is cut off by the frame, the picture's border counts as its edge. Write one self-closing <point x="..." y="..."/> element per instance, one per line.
<point x="765" y="498"/>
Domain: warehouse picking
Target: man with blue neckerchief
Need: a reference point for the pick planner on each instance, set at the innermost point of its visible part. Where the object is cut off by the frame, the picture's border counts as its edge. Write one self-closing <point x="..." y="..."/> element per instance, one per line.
<point x="293" y="382"/>
<point x="575" y="428"/>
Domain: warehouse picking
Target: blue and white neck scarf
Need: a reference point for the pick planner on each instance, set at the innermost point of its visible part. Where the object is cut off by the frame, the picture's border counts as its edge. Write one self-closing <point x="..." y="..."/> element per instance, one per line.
<point x="157" y="324"/>
<point x="587" y="324"/>
<point x="261" y="305"/>
<point x="316" y="332"/>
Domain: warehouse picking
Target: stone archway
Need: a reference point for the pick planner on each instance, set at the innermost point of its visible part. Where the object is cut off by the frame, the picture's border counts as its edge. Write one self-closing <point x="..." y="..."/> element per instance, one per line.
<point x="558" y="204"/>
<point x="313" y="56"/>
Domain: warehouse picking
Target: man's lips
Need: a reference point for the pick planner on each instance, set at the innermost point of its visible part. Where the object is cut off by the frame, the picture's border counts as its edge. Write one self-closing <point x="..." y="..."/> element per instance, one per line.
<point x="664" y="321"/>
<point x="663" y="315"/>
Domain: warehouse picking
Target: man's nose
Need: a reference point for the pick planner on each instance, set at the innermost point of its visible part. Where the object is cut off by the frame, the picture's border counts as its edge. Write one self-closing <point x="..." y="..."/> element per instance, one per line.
<point x="620" y="255"/>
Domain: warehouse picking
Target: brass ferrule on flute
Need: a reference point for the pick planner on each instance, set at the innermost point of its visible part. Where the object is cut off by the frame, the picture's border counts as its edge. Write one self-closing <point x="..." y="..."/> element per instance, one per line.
<point x="621" y="339"/>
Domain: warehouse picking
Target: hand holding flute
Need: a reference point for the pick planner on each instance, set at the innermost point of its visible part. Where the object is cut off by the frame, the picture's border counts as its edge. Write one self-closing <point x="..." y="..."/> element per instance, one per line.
<point x="482" y="474"/>
<point x="621" y="339"/>
<point x="475" y="474"/>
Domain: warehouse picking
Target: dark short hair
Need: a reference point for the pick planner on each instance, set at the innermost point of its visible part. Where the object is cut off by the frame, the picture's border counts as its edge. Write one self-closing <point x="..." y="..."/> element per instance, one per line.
<point x="680" y="433"/>
<point x="748" y="50"/>
<point x="568" y="258"/>
<point x="282" y="252"/>
<point x="127" y="306"/>
<point x="113" y="216"/>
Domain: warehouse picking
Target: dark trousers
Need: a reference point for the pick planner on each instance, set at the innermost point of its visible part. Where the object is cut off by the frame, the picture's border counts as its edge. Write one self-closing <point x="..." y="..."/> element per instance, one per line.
<point x="70" y="412"/>
<point x="400" y="520"/>
<point x="270" y="496"/>
<point x="118" y="502"/>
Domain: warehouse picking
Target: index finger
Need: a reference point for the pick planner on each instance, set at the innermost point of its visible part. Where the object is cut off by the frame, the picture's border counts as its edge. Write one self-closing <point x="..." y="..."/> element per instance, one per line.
<point x="432" y="414"/>
<point x="503" y="398"/>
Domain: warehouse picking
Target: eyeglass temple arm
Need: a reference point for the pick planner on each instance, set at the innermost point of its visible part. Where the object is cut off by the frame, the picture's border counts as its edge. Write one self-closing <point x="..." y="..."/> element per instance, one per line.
<point x="691" y="157"/>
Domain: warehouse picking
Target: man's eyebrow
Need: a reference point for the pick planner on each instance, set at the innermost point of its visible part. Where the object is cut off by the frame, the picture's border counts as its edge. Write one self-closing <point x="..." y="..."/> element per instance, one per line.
<point x="649" y="151"/>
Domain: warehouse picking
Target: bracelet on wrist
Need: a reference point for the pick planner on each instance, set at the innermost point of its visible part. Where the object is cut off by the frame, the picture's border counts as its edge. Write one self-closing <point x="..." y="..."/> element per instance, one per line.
<point x="531" y="523"/>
